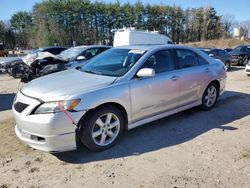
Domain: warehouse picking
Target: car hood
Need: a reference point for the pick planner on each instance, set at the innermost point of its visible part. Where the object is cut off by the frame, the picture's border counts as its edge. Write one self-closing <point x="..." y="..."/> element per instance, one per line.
<point x="9" y="60"/>
<point x="61" y="85"/>
<point x="29" y="59"/>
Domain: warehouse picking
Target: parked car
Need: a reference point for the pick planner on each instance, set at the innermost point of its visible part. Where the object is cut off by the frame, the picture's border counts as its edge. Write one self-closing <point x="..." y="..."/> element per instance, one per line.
<point x="14" y="65"/>
<point x="120" y="89"/>
<point x="228" y="49"/>
<point x="220" y="54"/>
<point x="241" y="55"/>
<point x="247" y="69"/>
<point x="47" y="63"/>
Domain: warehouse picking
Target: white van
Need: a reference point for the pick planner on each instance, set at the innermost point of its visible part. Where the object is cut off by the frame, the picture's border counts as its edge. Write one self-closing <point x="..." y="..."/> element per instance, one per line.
<point x="130" y="36"/>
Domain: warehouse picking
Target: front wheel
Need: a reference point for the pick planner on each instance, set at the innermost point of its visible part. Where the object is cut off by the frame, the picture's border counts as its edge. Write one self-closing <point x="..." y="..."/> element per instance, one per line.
<point x="228" y="65"/>
<point x="15" y="71"/>
<point x="210" y="96"/>
<point x="102" y="128"/>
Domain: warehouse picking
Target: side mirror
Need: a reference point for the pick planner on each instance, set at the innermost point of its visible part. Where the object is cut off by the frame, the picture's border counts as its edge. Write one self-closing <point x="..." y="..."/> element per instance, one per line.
<point x="81" y="57"/>
<point x="145" y="72"/>
<point x="211" y="55"/>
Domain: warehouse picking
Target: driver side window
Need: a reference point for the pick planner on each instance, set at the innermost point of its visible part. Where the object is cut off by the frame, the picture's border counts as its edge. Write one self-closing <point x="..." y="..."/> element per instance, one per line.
<point x="161" y="61"/>
<point x="91" y="53"/>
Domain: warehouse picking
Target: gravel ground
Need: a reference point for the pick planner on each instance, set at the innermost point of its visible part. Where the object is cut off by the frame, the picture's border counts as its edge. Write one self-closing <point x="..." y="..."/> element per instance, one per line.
<point x="193" y="148"/>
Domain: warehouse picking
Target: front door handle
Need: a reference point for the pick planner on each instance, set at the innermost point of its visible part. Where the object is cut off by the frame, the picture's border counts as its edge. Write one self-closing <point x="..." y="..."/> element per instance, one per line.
<point x="207" y="70"/>
<point x="174" y="78"/>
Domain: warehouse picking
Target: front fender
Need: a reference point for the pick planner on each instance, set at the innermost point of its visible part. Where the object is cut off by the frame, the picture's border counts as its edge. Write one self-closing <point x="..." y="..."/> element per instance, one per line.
<point x="115" y="93"/>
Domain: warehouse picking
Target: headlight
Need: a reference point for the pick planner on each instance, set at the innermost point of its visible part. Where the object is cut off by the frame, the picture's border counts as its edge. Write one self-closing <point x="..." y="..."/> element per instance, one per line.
<point x="57" y="106"/>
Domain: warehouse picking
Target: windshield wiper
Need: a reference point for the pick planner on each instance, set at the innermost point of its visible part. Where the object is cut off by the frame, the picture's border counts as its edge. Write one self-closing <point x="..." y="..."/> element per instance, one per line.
<point x="91" y="71"/>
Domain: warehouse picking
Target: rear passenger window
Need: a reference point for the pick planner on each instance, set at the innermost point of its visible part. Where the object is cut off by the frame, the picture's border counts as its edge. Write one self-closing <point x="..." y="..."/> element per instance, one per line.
<point x="55" y="51"/>
<point x="201" y="61"/>
<point x="221" y="52"/>
<point x="161" y="61"/>
<point x="186" y="58"/>
<point x="214" y="52"/>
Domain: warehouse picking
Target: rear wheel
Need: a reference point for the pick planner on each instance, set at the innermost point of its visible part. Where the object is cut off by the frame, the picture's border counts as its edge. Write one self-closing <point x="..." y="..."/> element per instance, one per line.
<point x="245" y="62"/>
<point x="102" y="128"/>
<point x="210" y="96"/>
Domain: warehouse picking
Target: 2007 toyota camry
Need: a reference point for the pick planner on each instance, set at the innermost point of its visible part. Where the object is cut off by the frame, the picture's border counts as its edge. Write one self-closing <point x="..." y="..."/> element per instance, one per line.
<point x="119" y="89"/>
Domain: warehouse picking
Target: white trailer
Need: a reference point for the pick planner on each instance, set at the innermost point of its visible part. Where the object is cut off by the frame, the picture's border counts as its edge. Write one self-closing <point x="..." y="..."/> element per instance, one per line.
<point x="131" y="36"/>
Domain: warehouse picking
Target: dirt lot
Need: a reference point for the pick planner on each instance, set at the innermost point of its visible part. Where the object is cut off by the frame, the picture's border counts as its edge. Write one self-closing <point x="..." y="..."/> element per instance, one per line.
<point x="221" y="43"/>
<point x="191" y="149"/>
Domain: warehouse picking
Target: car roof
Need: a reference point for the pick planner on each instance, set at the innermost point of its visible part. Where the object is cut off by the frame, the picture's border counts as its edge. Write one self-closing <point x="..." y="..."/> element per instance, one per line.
<point x="217" y="49"/>
<point x="245" y="45"/>
<point x="52" y="47"/>
<point x="91" y="46"/>
<point x="152" y="47"/>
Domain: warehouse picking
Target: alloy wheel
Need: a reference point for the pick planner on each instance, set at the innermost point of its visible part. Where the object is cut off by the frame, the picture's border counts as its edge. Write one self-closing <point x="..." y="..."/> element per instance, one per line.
<point x="105" y="129"/>
<point x="211" y="96"/>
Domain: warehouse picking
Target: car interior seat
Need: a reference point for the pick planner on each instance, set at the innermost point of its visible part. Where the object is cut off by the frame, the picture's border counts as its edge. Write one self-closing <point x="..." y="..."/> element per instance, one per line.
<point x="188" y="61"/>
<point x="88" y="55"/>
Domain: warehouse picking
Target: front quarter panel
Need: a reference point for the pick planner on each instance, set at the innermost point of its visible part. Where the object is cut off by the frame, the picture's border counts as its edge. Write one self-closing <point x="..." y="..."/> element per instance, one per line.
<point x="115" y="93"/>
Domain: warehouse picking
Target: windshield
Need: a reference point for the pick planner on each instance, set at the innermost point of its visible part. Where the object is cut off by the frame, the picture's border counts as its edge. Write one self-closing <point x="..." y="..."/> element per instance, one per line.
<point x="113" y="62"/>
<point x="204" y="50"/>
<point x="71" y="53"/>
<point x="36" y="51"/>
<point x="238" y="49"/>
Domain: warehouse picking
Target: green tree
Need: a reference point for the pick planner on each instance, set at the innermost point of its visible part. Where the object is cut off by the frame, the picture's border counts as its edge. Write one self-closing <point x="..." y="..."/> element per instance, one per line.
<point x="21" y="22"/>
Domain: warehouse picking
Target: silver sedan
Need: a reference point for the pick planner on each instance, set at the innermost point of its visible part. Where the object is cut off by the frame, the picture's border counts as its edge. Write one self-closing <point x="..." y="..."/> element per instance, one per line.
<point x="120" y="89"/>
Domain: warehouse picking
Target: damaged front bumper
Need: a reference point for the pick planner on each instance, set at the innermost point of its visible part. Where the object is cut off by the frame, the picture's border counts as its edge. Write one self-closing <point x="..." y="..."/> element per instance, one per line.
<point x="51" y="132"/>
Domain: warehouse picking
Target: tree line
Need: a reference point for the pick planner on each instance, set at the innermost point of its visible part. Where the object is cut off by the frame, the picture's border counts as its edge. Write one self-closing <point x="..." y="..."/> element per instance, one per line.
<point x="62" y="22"/>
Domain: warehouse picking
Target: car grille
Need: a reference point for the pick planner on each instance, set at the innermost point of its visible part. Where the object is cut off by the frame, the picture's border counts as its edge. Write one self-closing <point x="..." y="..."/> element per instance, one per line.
<point x="19" y="106"/>
<point x="248" y="70"/>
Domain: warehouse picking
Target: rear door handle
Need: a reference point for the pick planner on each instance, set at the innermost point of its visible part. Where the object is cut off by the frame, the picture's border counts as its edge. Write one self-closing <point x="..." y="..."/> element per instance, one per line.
<point x="174" y="78"/>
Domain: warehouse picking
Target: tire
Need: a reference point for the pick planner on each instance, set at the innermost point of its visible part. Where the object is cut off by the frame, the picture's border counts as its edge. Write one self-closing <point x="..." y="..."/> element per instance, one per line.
<point x="240" y="63"/>
<point x="210" y="94"/>
<point x="14" y="71"/>
<point x="102" y="128"/>
<point x="228" y="65"/>
<point x="245" y="62"/>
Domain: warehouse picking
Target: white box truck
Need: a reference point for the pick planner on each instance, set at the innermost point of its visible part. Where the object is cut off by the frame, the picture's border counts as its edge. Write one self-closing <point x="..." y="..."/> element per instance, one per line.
<point x="130" y="36"/>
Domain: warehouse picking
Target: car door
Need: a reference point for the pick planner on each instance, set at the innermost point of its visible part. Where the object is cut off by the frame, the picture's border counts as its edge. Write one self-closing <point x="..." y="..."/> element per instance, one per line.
<point x="222" y="55"/>
<point x="150" y="96"/>
<point x="214" y="53"/>
<point x="194" y="74"/>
